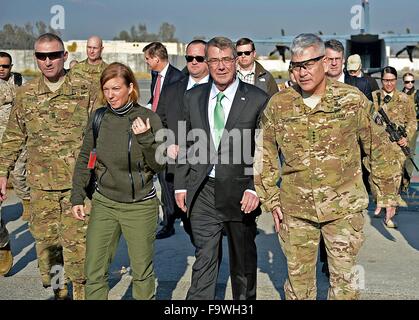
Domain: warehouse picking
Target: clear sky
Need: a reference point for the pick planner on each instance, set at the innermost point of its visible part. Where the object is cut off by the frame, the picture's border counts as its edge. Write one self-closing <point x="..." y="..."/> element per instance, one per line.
<point x="256" y="19"/>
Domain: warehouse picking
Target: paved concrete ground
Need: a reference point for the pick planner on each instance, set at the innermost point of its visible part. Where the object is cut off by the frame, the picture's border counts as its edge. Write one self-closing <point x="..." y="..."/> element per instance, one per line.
<point x="389" y="258"/>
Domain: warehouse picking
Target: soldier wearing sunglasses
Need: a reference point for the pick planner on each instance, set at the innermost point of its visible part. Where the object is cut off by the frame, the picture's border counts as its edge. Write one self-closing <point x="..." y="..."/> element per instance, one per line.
<point x="251" y="71"/>
<point x="49" y="115"/>
<point x="6" y="73"/>
<point x="18" y="175"/>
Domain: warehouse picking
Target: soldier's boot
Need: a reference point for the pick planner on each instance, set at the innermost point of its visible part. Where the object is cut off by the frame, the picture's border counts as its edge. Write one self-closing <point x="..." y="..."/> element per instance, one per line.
<point x="61" y="293"/>
<point x="78" y="291"/>
<point x="46" y="280"/>
<point x="6" y="260"/>
<point x="9" y="184"/>
<point x="26" y="214"/>
<point x="390" y="224"/>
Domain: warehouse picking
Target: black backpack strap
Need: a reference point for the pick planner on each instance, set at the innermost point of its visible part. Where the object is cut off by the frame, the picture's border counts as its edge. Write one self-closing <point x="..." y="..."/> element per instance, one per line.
<point x="97" y="119"/>
<point x="17" y="78"/>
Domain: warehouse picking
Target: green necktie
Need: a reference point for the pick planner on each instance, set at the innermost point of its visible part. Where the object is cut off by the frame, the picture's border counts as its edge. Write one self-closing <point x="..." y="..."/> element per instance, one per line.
<point x="218" y="119"/>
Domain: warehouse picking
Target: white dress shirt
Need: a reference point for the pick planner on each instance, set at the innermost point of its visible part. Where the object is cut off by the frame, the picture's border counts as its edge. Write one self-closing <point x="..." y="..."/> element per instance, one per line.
<point x="192" y="82"/>
<point x="227" y="102"/>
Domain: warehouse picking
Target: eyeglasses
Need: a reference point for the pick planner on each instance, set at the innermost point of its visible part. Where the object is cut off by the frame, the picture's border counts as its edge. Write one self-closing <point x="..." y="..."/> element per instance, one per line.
<point x="306" y="65"/>
<point x="5" y="66"/>
<point x="50" y="55"/>
<point x="199" y="59"/>
<point x="409" y="81"/>
<point x="246" y="53"/>
<point x="224" y="60"/>
<point x="388" y="80"/>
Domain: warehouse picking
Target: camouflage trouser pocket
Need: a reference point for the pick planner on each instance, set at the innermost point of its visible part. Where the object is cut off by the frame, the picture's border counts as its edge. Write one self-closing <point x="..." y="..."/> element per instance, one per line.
<point x="283" y="230"/>
<point x="356" y="221"/>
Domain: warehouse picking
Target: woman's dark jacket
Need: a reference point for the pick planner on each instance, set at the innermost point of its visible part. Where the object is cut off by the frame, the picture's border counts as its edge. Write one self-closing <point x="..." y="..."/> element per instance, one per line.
<point x="118" y="178"/>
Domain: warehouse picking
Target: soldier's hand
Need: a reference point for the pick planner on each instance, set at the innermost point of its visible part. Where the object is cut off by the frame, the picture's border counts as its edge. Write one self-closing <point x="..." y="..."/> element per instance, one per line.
<point x="249" y="202"/>
<point x="78" y="212"/>
<point x="181" y="200"/>
<point x="277" y="215"/>
<point x="3" y="188"/>
<point x="402" y="142"/>
<point x="138" y="125"/>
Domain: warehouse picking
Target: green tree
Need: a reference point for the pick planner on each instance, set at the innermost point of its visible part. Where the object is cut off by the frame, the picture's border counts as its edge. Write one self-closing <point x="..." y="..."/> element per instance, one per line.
<point x="167" y="32"/>
<point x="140" y="34"/>
<point x="22" y="38"/>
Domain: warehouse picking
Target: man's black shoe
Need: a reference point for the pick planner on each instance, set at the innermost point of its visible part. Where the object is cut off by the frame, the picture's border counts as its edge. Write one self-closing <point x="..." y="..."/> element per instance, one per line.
<point x="165" y="233"/>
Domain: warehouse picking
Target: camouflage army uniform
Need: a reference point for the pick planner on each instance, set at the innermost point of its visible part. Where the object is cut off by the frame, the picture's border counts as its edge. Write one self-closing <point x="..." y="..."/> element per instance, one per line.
<point x="6" y="99"/>
<point x="408" y="165"/>
<point x="18" y="175"/>
<point x="52" y="125"/>
<point x="321" y="190"/>
<point x="92" y="74"/>
<point x="401" y="111"/>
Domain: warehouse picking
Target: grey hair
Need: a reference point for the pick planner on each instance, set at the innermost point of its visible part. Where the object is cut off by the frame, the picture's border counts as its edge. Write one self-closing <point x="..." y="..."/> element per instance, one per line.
<point x="221" y="43"/>
<point x="304" y="41"/>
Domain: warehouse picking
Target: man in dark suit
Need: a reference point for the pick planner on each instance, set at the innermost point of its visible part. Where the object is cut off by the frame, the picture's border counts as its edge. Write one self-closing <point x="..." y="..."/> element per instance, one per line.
<point x="162" y="72"/>
<point x="162" y="75"/>
<point x="171" y="113"/>
<point x="336" y="60"/>
<point x="214" y="177"/>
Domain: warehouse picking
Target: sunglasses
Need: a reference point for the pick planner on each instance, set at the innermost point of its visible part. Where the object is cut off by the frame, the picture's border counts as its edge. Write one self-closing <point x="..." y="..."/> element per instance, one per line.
<point x="199" y="59"/>
<point x="246" y="53"/>
<point x="5" y="66"/>
<point x="50" y="55"/>
<point x="306" y="65"/>
<point x="409" y="81"/>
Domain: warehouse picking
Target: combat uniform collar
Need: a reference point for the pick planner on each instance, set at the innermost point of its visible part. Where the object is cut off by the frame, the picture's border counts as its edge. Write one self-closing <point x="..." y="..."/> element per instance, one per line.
<point x="329" y="102"/>
<point x="86" y="67"/>
<point x="65" y="89"/>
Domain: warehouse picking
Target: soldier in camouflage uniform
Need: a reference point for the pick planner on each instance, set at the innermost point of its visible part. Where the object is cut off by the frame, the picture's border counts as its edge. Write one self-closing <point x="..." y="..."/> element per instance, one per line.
<point x="400" y="109"/>
<point x="92" y="67"/>
<point x="18" y="175"/>
<point x="50" y="115"/>
<point x="318" y="126"/>
<point x="6" y="99"/>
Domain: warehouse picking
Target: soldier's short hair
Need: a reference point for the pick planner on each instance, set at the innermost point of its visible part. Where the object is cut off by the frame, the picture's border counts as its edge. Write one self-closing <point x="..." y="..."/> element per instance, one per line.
<point x="196" y="41"/>
<point x="119" y="70"/>
<point x="49" y="37"/>
<point x="6" y="55"/>
<point x="156" y="49"/>
<point x="304" y="41"/>
<point x="244" y="41"/>
<point x="335" y="45"/>
<point x="388" y="69"/>
<point x="221" y="43"/>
